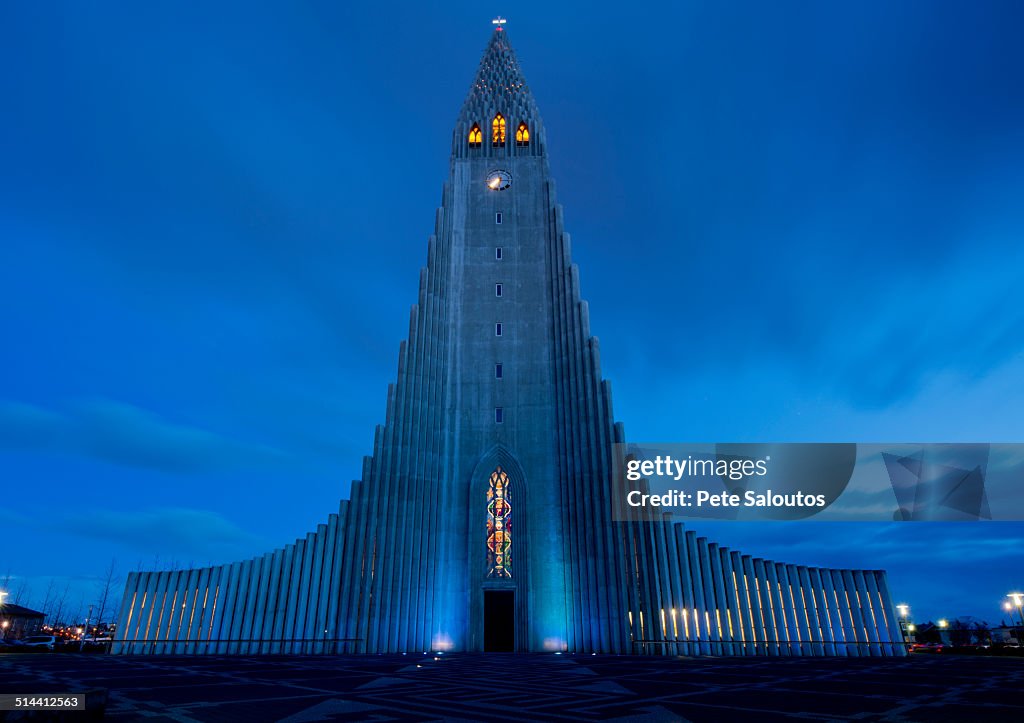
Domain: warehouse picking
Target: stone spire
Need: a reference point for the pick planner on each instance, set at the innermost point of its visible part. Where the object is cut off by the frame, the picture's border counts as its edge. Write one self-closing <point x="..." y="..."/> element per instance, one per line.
<point x="499" y="87"/>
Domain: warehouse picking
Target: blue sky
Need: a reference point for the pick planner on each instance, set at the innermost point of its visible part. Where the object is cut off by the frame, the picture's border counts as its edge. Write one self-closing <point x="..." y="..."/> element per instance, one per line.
<point x="794" y="222"/>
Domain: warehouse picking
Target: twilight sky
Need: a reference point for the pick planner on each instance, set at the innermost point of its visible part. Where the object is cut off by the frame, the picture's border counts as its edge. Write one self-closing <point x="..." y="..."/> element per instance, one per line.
<point x="794" y="222"/>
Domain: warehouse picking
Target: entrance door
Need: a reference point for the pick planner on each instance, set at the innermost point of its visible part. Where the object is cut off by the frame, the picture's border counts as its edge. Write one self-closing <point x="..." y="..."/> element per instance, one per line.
<point x="499" y="621"/>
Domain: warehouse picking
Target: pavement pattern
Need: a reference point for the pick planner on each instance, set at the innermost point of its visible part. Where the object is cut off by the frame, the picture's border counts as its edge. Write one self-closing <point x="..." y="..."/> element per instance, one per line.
<point x="508" y="687"/>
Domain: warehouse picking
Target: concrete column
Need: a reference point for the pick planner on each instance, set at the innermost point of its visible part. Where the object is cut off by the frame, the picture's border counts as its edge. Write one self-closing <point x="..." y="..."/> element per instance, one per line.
<point x="720" y="613"/>
<point x="856" y="614"/>
<point x="815" y="621"/>
<point x="168" y="585"/>
<point x="760" y="632"/>
<point x="697" y="621"/>
<point x="226" y="607"/>
<point x="743" y="612"/>
<point x="312" y="631"/>
<point x="867" y="613"/>
<point x="835" y="617"/>
<point x="799" y="605"/>
<point x="895" y="634"/>
<point x="850" y="632"/>
<point x="763" y="586"/>
<point x="785" y="635"/>
<point x="731" y="625"/>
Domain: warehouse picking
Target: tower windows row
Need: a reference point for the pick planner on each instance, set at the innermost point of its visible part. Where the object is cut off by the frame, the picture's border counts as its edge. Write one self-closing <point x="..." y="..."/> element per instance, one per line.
<point x="498" y="132"/>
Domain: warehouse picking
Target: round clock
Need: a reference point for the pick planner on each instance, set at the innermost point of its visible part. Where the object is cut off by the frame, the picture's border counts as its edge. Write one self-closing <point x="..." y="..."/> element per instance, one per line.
<point x="499" y="180"/>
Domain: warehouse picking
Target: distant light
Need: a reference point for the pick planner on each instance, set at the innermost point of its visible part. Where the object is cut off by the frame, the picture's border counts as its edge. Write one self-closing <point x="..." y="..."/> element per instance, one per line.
<point x="558" y="652"/>
<point x="911" y="627"/>
<point x="943" y="622"/>
<point x="904" y="609"/>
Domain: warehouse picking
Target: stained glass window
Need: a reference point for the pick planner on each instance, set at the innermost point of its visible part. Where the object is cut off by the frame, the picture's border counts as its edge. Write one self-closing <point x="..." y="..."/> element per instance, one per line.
<point x="498" y="130"/>
<point x="475" y="136"/>
<point x="522" y="135"/>
<point x="499" y="526"/>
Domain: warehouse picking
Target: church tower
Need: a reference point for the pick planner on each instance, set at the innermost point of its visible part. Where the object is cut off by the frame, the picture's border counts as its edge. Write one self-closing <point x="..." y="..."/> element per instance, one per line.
<point x="483" y="517"/>
<point x="496" y="452"/>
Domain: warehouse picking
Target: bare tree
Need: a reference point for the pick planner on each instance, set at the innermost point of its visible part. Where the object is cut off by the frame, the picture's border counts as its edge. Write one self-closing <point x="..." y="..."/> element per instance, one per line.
<point x="107" y="587"/>
<point x="77" y="618"/>
<point x="61" y="604"/>
<point x="22" y="592"/>
<point x="48" y="601"/>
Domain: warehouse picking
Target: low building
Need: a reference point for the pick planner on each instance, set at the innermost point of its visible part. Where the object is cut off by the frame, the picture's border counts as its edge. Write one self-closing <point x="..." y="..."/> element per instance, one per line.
<point x="17" y="622"/>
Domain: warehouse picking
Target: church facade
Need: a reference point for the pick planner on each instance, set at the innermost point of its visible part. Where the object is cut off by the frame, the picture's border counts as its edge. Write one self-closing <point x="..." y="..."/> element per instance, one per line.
<point x="483" y="518"/>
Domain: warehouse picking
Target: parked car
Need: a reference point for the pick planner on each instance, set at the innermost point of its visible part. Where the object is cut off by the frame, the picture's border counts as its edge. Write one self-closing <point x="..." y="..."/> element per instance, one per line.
<point x="40" y="641"/>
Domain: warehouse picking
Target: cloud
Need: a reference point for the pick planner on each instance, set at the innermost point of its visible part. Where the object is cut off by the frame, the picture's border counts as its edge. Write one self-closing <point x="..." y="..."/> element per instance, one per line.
<point x="23" y="426"/>
<point x="126" y="435"/>
<point x="961" y="318"/>
<point x="171" y="532"/>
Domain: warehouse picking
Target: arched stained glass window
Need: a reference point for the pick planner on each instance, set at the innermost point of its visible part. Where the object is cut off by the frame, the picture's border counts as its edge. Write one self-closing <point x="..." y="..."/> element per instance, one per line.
<point x="499" y="526"/>
<point x="522" y="135"/>
<point x="476" y="137"/>
<point x="498" y="130"/>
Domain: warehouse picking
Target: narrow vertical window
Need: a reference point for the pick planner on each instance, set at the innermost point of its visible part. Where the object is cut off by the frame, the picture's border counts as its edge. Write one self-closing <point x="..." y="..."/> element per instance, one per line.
<point x="499" y="415"/>
<point x="497" y="253"/>
<point x="497" y="217"/>
<point x="476" y="137"/>
<point x="497" y="289"/>
<point x="498" y="130"/>
<point x="499" y="526"/>
<point x="522" y="136"/>
<point x="498" y="373"/>
<point x="497" y="329"/>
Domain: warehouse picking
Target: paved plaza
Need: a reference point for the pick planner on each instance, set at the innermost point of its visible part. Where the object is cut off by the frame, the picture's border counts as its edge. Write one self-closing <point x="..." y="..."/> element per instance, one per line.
<point x="491" y="687"/>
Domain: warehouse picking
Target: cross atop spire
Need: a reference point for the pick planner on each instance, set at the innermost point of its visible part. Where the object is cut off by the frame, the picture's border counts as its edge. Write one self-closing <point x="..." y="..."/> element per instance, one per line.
<point x="499" y="86"/>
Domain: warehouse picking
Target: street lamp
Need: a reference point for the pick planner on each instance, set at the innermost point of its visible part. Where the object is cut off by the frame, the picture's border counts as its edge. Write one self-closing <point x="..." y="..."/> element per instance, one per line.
<point x="943" y="623"/>
<point x="905" y="626"/>
<point x="1016" y="600"/>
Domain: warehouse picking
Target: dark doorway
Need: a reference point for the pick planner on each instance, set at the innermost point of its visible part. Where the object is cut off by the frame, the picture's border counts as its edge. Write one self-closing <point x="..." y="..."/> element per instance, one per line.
<point x="499" y="621"/>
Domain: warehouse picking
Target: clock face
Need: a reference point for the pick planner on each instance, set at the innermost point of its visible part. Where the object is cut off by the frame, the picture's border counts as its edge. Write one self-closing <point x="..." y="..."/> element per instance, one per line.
<point x="499" y="180"/>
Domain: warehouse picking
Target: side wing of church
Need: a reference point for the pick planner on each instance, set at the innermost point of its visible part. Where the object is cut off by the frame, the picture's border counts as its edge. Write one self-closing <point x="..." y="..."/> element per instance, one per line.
<point x="483" y="519"/>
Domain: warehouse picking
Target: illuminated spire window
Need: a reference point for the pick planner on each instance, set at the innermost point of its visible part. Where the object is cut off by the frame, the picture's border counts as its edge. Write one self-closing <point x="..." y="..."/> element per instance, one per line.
<point x="499" y="526"/>
<point x="475" y="136"/>
<point x="522" y="135"/>
<point x="498" y="130"/>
